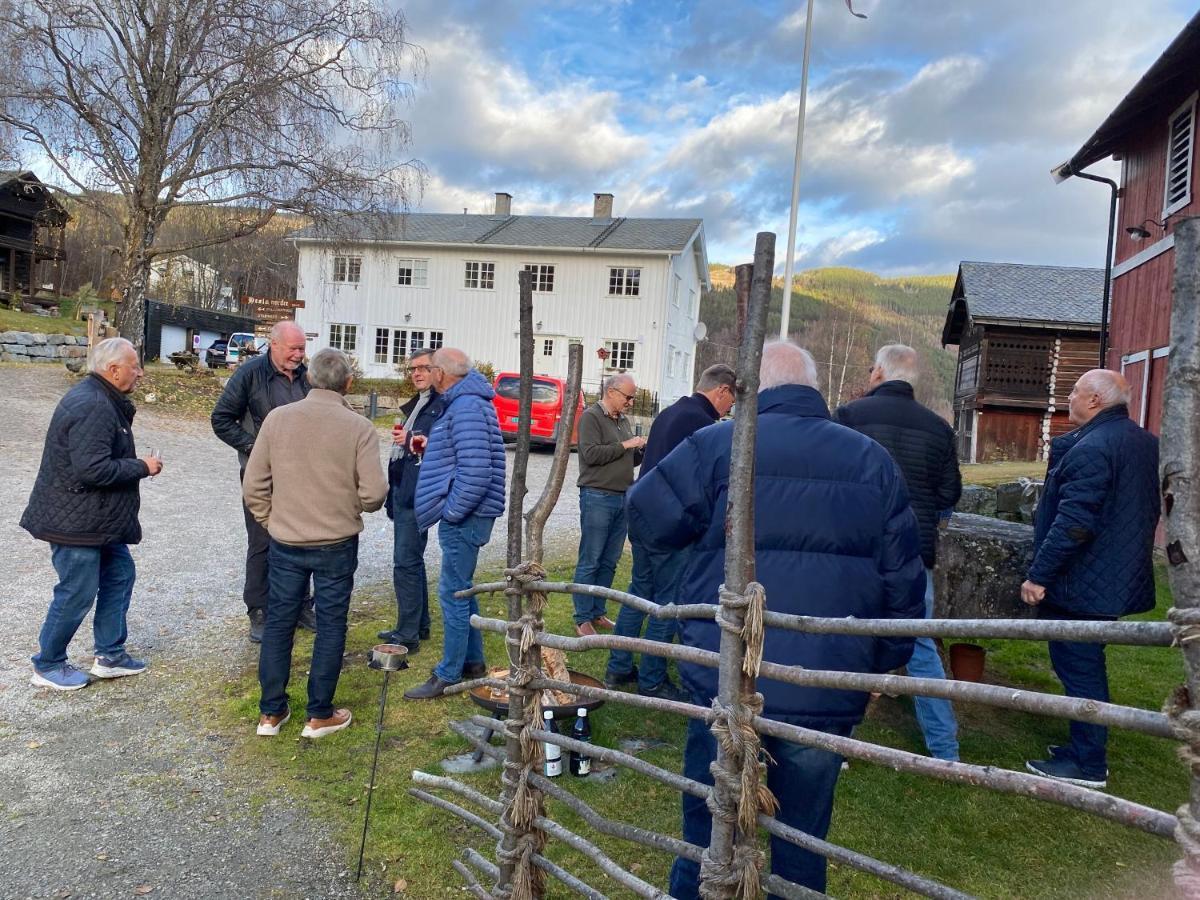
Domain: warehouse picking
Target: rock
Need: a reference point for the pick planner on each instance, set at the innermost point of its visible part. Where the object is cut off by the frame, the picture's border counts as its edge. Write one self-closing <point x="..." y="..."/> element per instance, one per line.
<point x="18" y="349"/>
<point x="38" y="338"/>
<point x="75" y="365"/>
<point x="9" y="357"/>
<point x="977" y="499"/>
<point x="59" y="339"/>
<point x="981" y="564"/>
<point x="72" y="352"/>
<point x="464" y="763"/>
<point x="40" y="350"/>
<point x="1008" y="497"/>
<point x="16" y="337"/>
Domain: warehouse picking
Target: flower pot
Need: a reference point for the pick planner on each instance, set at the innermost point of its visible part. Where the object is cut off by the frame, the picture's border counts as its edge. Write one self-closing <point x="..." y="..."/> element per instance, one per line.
<point x="966" y="661"/>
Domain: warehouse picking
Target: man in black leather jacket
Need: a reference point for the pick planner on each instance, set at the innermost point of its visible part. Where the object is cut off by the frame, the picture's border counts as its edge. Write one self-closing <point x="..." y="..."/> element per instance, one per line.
<point x="272" y="379"/>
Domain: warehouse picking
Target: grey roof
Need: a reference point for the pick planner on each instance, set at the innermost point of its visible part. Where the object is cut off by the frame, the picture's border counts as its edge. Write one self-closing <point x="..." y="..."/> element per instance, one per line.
<point x="566" y="232"/>
<point x="1031" y="293"/>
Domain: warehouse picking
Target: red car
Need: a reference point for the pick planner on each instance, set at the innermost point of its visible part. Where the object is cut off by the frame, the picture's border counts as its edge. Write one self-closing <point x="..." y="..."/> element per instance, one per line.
<point x="547" y="413"/>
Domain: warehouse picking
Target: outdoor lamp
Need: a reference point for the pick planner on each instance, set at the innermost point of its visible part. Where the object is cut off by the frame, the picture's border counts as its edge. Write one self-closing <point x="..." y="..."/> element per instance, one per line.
<point x="1139" y="232"/>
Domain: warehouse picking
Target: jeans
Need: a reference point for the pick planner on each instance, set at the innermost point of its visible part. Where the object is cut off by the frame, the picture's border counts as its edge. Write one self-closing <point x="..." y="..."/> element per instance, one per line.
<point x="1084" y="673"/>
<point x="331" y="568"/>
<point x="601" y="540"/>
<point x="655" y="577"/>
<point x="87" y="575"/>
<point x="935" y="716"/>
<point x="408" y="575"/>
<point x="801" y="778"/>
<point x="461" y="644"/>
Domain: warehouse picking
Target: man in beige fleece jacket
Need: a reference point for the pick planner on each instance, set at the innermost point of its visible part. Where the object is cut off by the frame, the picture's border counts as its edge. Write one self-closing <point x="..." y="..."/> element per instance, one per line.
<point x="313" y="472"/>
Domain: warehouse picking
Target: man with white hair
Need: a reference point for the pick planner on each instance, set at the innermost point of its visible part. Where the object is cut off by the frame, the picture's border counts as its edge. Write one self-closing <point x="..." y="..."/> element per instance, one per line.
<point x="1092" y="551"/>
<point x="834" y="536"/>
<point x="922" y="444"/>
<point x="85" y="504"/>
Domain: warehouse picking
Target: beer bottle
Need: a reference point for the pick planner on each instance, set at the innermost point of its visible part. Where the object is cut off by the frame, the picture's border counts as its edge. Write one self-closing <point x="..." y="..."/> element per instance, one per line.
<point x="580" y="763"/>
<point x="552" y="767"/>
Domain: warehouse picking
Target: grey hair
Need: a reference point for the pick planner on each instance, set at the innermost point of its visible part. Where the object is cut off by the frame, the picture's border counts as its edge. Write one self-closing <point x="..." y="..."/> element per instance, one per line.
<point x="1111" y="387"/>
<point x="329" y="370"/>
<point x="452" y="361"/>
<point x="107" y="352"/>
<point x="419" y="352"/>
<point x="283" y="325"/>
<point x="897" y="362"/>
<point x="786" y="363"/>
<point x="715" y="376"/>
<point x="620" y="378"/>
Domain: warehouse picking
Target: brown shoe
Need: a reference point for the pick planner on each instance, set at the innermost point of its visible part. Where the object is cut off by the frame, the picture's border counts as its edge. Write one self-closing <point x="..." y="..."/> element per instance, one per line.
<point x="316" y="728"/>
<point x="585" y="630"/>
<point x="604" y="623"/>
<point x="268" y="726"/>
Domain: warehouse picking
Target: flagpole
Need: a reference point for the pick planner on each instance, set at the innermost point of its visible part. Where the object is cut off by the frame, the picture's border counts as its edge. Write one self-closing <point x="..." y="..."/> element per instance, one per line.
<point x="789" y="264"/>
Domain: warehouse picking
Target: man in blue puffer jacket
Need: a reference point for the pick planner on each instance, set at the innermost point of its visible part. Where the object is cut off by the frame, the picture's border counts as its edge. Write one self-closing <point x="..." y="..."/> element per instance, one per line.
<point x="834" y="536"/>
<point x="1093" y="544"/>
<point x="461" y="486"/>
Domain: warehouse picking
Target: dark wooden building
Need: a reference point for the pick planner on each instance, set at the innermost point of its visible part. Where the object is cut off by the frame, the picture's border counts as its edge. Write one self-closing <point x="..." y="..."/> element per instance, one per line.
<point x="1025" y="334"/>
<point x="32" y="225"/>
<point x="171" y="328"/>
<point x="1153" y="134"/>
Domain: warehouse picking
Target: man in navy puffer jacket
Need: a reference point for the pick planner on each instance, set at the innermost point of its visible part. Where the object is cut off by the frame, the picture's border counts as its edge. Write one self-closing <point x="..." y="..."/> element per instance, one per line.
<point x="834" y="536"/>
<point x="1093" y="545"/>
<point x="461" y="486"/>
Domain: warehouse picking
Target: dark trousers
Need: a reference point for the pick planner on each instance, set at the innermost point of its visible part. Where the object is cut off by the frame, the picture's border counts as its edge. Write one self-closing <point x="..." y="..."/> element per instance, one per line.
<point x="803" y="781"/>
<point x="331" y="568"/>
<point x="408" y="575"/>
<point x="1083" y="671"/>
<point x="257" y="588"/>
<point x="655" y="577"/>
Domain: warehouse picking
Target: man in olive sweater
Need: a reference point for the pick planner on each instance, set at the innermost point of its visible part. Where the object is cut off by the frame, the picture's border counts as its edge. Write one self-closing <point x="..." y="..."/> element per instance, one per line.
<point x="313" y="472"/>
<point x="608" y="453"/>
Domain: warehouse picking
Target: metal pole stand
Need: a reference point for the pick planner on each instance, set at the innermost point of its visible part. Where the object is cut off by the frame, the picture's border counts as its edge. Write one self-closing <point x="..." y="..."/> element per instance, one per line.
<point x="387" y="658"/>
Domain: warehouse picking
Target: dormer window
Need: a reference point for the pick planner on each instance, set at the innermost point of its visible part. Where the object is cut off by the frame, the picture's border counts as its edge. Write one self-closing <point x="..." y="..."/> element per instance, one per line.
<point x="1181" y="142"/>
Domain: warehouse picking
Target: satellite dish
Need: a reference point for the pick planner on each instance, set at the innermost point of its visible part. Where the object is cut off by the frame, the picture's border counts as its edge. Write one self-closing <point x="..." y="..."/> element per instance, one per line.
<point x="700" y="332"/>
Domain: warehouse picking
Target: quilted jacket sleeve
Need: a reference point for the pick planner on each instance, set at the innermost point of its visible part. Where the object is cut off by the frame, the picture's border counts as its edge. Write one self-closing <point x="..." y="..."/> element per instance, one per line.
<point x="231" y="407"/>
<point x="949" y="486"/>
<point x="469" y="436"/>
<point x="671" y="506"/>
<point x="901" y="569"/>
<point x="1084" y="479"/>
<point x="90" y="443"/>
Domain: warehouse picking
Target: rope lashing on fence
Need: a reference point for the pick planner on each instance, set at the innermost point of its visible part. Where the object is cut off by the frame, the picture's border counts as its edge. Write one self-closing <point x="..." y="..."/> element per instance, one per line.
<point x="753" y="603"/>
<point x="1185" y="623"/>
<point x="1185" y="722"/>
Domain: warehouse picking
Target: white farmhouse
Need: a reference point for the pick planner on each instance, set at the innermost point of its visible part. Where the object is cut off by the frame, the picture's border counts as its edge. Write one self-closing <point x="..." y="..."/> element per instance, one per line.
<point x="629" y="286"/>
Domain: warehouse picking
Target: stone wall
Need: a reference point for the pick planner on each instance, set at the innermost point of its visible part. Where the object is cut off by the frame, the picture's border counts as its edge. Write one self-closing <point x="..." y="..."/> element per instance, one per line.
<point x="25" y="346"/>
<point x="980" y="566"/>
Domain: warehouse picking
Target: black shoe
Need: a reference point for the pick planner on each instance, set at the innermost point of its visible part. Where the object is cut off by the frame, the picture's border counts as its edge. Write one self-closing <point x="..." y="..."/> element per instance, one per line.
<point x="613" y="680"/>
<point x="475" y="670"/>
<point x="667" y="691"/>
<point x="258" y="620"/>
<point x="388" y="634"/>
<point x="423" y="634"/>
<point x="308" y="616"/>
<point x="431" y="689"/>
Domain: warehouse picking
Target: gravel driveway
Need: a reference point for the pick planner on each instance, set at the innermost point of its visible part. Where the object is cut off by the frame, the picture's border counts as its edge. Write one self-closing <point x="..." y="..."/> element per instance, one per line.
<point x="113" y="791"/>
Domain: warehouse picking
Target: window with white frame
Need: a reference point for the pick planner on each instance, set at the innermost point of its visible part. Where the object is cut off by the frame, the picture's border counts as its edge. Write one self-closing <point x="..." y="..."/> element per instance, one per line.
<point x="1181" y="131"/>
<point x="624" y="282"/>
<point x="347" y="269"/>
<point x="620" y="356"/>
<point x="412" y="272"/>
<point x="671" y="354"/>
<point x="693" y="298"/>
<point x="382" y="336"/>
<point x="548" y="347"/>
<point x="343" y="337"/>
<point x="675" y="283"/>
<point x="687" y="366"/>
<point x="543" y="277"/>
<point x="394" y="345"/>
<point x="480" y="275"/>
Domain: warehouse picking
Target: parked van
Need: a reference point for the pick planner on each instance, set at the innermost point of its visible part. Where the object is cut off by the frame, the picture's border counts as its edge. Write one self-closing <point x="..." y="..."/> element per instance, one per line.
<point x="547" y="411"/>
<point x="242" y="347"/>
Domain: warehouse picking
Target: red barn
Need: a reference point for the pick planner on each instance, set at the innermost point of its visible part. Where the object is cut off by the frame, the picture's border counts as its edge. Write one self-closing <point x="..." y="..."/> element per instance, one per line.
<point x="1153" y="134"/>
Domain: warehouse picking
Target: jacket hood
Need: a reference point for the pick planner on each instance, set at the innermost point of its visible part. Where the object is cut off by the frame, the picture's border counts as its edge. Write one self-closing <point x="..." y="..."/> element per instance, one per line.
<point x="793" y="399"/>
<point x="473" y="384"/>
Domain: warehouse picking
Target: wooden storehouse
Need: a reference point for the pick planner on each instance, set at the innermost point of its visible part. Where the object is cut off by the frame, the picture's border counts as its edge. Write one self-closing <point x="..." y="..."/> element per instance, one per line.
<point x="1025" y="334"/>
<point x="32" y="227"/>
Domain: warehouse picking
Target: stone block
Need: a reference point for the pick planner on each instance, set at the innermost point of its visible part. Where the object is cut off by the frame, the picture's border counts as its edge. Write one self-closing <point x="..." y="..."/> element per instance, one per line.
<point x="72" y="352"/>
<point x="18" y="349"/>
<point x="977" y="499"/>
<point x="981" y="564"/>
<point x="38" y="338"/>
<point x="16" y="337"/>
<point x="1008" y="497"/>
<point x="57" y="340"/>
<point x="40" y="350"/>
<point x="5" y="356"/>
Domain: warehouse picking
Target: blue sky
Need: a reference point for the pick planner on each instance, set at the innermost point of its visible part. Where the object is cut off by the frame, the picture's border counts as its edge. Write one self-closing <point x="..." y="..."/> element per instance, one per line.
<point x="931" y="130"/>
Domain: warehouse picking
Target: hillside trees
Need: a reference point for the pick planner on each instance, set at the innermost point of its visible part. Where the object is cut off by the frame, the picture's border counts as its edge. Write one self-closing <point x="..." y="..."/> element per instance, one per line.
<point x="258" y="107"/>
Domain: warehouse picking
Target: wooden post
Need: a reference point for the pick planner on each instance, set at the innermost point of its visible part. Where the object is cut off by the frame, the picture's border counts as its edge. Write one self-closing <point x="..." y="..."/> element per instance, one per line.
<point x="1181" y="508"/>
<point x="535" y="519"/>
<point x="742" y="276"/>
<point x="517" y="490"/>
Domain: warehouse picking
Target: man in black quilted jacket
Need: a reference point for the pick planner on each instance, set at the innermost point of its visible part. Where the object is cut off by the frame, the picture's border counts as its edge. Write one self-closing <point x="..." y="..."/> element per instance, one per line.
<point x="85" y="504"/>
<point x="1093" y="543"/>
<point x="272" y="379"/>
<point x="922" y="444"/>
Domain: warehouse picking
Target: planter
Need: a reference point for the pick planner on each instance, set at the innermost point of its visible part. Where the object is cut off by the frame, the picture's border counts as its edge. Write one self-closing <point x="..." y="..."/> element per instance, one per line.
<point x="966" y="661"/>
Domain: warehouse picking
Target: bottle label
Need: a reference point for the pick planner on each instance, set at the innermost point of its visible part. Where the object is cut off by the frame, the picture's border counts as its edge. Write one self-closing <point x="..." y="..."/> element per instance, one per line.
<point x="553" y="767"/>
<point x="585" y="765"/>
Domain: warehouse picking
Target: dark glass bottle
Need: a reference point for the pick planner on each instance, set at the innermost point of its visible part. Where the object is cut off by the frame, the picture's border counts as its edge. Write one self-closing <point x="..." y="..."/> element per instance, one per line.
<point x="552" y="766"/>
<point x="580" y="763"/>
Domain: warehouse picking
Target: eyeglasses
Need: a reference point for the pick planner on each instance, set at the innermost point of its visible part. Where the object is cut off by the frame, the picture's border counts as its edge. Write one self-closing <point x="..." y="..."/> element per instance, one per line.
<point x="628" y="397"/>
<point x="412" y="369"/>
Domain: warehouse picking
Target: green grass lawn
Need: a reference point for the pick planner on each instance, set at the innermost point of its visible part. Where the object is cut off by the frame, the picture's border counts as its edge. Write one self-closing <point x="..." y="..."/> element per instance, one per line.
<point x="15" y="320"/>
<point x="992" y="474"/>
<point x="989" y="844"/>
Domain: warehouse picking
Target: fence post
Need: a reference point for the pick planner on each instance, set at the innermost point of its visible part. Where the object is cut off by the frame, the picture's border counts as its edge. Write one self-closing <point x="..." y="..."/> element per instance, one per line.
<point x="1181" y="509"/>
<point x="742" y="276"/>
<point x="732" y="863"/>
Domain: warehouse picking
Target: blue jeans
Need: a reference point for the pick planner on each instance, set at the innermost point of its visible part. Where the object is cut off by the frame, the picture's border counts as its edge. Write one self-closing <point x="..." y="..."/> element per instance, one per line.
<point x="87" y="575"/>
<point x="801" y="778"/>
<point x="408" y="575"/>
<point x="461" y="644"/>
<point x="655" y="577"/>
<point x="601" y="540"/>
<point x="1083" y="671"/>
<point x="935" y="716"/>
<point x="331" y="568"/>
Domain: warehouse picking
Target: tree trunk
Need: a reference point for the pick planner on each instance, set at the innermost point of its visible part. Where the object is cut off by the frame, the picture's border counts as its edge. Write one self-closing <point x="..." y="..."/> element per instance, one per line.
<point x="135" y="277"/>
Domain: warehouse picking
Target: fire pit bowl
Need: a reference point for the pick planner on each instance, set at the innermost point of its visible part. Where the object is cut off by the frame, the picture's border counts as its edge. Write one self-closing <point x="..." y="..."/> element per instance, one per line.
<point x="498" y="706"/>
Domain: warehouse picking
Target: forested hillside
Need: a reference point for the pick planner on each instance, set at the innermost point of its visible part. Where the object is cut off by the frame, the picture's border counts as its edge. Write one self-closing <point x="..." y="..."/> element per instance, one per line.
<point x="842" y="316"/>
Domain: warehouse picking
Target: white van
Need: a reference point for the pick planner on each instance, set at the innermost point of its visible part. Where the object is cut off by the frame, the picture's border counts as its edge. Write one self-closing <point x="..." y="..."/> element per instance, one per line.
<point x="243" y="346"/>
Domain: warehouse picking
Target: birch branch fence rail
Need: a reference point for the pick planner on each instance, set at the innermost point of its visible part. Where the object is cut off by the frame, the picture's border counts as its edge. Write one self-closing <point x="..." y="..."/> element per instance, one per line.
<point x="732" y="865"/>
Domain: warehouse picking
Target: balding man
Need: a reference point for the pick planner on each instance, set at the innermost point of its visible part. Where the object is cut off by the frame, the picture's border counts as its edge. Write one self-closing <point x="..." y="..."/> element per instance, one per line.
<point x="1093" y="542"/>
<point x="461" y="490"/>
<point x="275" y="378"/>
<point x="608" y="453"/>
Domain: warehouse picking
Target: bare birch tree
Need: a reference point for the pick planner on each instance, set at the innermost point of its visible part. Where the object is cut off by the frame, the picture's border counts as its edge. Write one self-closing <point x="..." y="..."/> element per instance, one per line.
<point x="259" y="106"/>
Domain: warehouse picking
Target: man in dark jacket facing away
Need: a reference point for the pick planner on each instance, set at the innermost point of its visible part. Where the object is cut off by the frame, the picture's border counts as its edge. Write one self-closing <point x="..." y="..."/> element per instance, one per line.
<point x="272" y="379"/>
<point x="834" y="536"/>
<point x="85" y="505"/>
<point x="1092" y="558"/>
<point x="654" y="573"/>
<point x="922" y="444"/>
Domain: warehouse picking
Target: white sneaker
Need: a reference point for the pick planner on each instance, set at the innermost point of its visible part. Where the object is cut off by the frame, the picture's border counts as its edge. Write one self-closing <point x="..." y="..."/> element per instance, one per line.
<point x="316" y="728"/>
<point x="268" y="726"/>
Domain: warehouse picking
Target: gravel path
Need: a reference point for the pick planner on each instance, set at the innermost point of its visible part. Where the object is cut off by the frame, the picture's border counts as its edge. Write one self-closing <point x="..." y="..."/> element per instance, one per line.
<point x="113" y="791"/>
